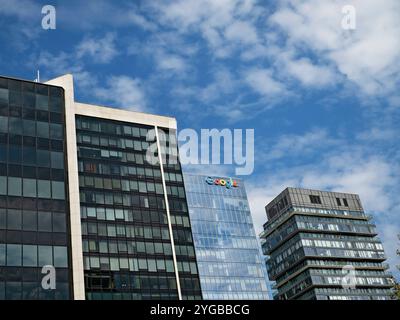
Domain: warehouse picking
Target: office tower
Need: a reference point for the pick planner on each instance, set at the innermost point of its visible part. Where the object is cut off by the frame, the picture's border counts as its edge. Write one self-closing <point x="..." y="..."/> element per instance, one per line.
<point x="228" y="253"/>
<point x="322" y="246"/>
<point x="34" y="206"/>
<point x="113" y="176"/>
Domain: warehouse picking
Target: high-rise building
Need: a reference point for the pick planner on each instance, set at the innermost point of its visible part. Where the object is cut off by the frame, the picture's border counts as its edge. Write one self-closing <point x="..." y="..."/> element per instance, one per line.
<point x="322" y="246"/>
<point x="34" y="206"/>
<point x="228" y="253"/>
<point x="95" y="192"/>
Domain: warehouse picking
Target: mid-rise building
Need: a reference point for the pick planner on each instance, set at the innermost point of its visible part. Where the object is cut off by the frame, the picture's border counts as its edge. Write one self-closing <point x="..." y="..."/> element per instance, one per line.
<point x="95" y="192"/>
<point x="322" y="246"/>
<point x="229" y="256"/>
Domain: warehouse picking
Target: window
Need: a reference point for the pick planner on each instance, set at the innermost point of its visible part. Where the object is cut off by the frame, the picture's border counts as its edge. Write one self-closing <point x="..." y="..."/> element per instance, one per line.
<point x="42" y="102"/>
<point x="113" y="247"/>
<point x="4" y="96"/>
<point x="142" y="187"/>
<point x="29" y="156"/>
<point x="14" y="255"/>
<point x="111" y="230"/>
<point x="56" y="131"/>
<point x="14" y="219"/>
<point x="15" y="126"/>
<point x="119" y="214"/>
<point x="29" y="187"/>
<point x="44" y="189"/>
<point x="315" y="199"/>
<point x="29" y="128"/>
<point x="58" y="190"/>
<point x="140" y="247"/>
<point x="57" y="160"/>
<point x="345" y="202"/>
<point x="44" y="221"/>
<point x="29" y="221"/>
<point x="339" y="203"/>
<point x="15" y="154"/>
<point x="43" y="158"/>
<point x="142" y="264"/>
<point x="169" y="265"/>
<point x="2" y="255"/>
<point x="59" y="222"/>
<point x="94" y="262"/>
<point x="152" y="267"/>
<point x="90" y="167"/>
<point x="4" y="124"/>
<point x="60" y="257"/>
<point x="114" y="264"/>
<point x="123" y="263"/>
<point x="55" y="104"/>
<point x="42" y="129"/>
<point x="103" y="248"/>
<point x="29" y="100"/>
<point x="3" y="219"/>
<point x="135" y="132"/>
<point x="29" y="256"/>
<point x="3" y="185"/>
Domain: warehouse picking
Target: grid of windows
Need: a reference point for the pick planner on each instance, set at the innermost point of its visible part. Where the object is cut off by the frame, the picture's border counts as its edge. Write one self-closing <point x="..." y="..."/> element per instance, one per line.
<point x="180" y="219"/>
<point x="34" y="213"/>
<point x="230" y="263"/>
<point x="327" y="237"/>
<point x="126" y="240"/>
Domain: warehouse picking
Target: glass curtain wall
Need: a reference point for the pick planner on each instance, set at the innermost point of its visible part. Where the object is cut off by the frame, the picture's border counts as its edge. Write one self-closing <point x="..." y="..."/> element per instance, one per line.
<point x="34" y="213"/>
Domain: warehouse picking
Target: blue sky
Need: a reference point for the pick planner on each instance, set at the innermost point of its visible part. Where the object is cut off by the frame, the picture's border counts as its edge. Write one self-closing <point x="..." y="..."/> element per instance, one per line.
<point x="324" y="102"/>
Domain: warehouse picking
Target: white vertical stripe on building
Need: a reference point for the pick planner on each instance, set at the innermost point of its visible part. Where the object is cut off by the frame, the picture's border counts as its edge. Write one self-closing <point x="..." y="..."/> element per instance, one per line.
<point x="178" y="285"/>
<point x="67" y="83"/>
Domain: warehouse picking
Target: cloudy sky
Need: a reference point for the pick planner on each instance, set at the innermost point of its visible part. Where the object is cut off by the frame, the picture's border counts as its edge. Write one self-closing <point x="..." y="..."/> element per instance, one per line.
<point x="324" y="101"/>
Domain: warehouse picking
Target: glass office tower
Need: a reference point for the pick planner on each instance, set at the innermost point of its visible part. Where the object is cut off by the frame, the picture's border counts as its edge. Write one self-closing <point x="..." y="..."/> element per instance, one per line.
<point x="127" y="245"/>
<point x="228" y="253"/>
<point x="34" y="210"/>
<point x="322" y="246"/>
<point x="131" y="232"/>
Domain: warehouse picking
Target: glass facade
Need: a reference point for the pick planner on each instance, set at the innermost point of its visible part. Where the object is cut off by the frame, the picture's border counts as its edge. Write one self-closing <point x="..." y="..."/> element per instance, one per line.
<point x="129" y="251"/>
<point x="313" y="238"/>
<point x="34" y="212"/>
<point x="228" y="253"/>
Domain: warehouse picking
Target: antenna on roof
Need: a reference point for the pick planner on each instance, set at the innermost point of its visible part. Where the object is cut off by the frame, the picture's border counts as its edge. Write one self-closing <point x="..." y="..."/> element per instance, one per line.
<point x="37" y="76"/>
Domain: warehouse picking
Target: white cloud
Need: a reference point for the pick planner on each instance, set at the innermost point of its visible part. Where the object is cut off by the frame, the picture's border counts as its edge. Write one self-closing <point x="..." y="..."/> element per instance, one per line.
<point x="124" y="92"/>
<point x="261" y="81"/>
<point x="368" y="56"/>
<point x="170" y="54"/>
<point x="389" y="235"/>
<point x="92" y="14"/>
<point x="223" y="84"/>
<point x="377" y="134"/>
<point x="241" y="31"/>
<point x="141" y="21"/>
<point x="292" y="145"/>
<point x="22" y="9"/>
<point x="226" y="25"/>
<point x="310" y="74"/>
<point x="100" y="50"/>
<point x="170" y="62"/>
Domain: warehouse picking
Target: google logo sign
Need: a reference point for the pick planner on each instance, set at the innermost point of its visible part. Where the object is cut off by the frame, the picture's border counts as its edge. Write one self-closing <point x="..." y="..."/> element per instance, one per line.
<point x="229" y="183"/>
